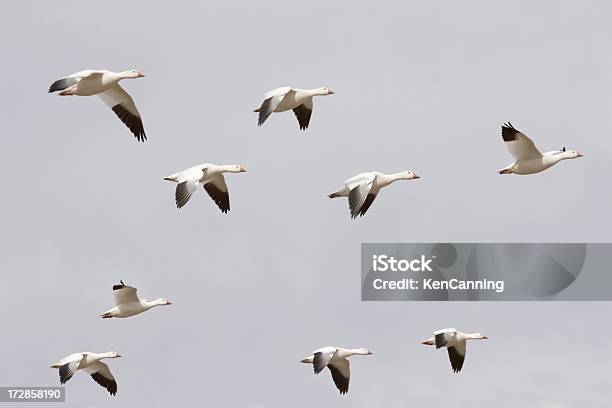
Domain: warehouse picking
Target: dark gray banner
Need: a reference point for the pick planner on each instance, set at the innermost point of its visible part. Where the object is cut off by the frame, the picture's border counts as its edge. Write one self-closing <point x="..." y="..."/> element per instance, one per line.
<point x="485" y="271"/>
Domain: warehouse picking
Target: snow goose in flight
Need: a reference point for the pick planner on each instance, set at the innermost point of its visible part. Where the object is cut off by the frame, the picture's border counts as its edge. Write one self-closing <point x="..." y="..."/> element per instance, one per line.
<point x="454" y="341"/>
<point x="288" y="98"/>
<point x="91" y="364"/>
<point x="211" y="177"/>
<point x="528" y="158"/>
<point x="129" y="304"/>
<point x="363" y="188"/>
<point x="105" y="84"/>
<point x="335" y="358"/>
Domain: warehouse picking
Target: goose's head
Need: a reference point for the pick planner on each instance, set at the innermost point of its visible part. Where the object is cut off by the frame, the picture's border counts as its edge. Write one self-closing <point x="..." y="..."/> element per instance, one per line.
<point x="113" y="354"/>
<point x="163" y="302"/>
<point x="237" y="168"/>
<point x="410" y="175"/>
<point x="571" y="154"/>
<point x="132" y="73"/>
<point x="479" y="336"/>
<point x="324" y="91"/>
<point x="364" y="352"/>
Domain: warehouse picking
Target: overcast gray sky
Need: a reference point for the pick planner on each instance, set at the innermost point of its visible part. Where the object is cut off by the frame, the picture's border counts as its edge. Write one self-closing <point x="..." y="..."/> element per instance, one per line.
<point x="419" y="85"/>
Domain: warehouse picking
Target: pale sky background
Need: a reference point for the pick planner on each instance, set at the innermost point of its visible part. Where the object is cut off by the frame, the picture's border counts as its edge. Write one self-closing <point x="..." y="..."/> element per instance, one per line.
<point x="419" y="85"/>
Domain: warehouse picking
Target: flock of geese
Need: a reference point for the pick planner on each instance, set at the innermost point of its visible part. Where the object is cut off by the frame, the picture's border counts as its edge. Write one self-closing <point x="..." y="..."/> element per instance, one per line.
<point x="361" y="191"/>
<point x="128" y="304"/>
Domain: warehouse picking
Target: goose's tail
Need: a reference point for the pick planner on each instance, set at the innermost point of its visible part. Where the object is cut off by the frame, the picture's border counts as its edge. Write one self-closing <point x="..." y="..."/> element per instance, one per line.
<point x="340" y="193"/>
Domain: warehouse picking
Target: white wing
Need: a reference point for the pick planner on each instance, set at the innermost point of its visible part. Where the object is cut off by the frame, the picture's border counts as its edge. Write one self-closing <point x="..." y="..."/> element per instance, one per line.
<point x="71" y="357"/>
<point x="103" y="376"/>
<point x="125" y="294"/>
<point x="282" y="91"/>
<point x="520" y="146"/>
<point x="86" y="73"/>
<point x="124" y="107"/>
<point x="361" y="178"/>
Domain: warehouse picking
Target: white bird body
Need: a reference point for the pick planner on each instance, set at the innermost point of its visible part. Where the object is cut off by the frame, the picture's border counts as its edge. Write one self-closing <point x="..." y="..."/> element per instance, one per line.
<point x="92" y="82"/>
<point x="335" y="358"/>
<point x="287" y="98"/>
<point x="292" y="97"/>
<point x="90" y="363"/>
<point x="212" y="179"/>
<point x="528" y="159"/>
<point x="105" y="84"/>
<point x="129" y="304"/>
<point x="363" y="188"/>
<point x="455" y="343"/>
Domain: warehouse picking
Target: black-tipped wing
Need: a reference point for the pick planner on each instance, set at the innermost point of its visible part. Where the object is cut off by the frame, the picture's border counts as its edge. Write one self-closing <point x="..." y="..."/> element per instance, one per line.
<point x="67" y="370"/>
<point x="124" y="107"/>
<point x="73" y="79"/>
<point x="456" y="358"/>
<point x="183" y="192"/>
<point x="62" y="84"/>
<point x="442" y="338"/>
<point x="119" y="286"/>
<point x="360" y="199"/>
<point x="267" y="107"/>
<point x="124" y="294"/>
<point x="520" y="146"/>
<point x="320" y="361"/>
<point x="340" y="371"/>
<point x="217" y="190"/>
<point x="303" y="113"/>
<point x="102" y="375"/>
<point x="271" y="101"/>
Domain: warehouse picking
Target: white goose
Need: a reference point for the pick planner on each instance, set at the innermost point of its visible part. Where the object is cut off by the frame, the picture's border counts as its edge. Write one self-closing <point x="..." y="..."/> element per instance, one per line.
<point x="363" y="188"/>
<point x="129" y="304"/>
<point x="211" y="177"/>
<point x="105" y="84"/>
<point x="528" y="158"/>
<point x="335" y="358"/>
<point x="288" y="98"/>
<point x="91" y="364"/>
<point x="455" y="342"/>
